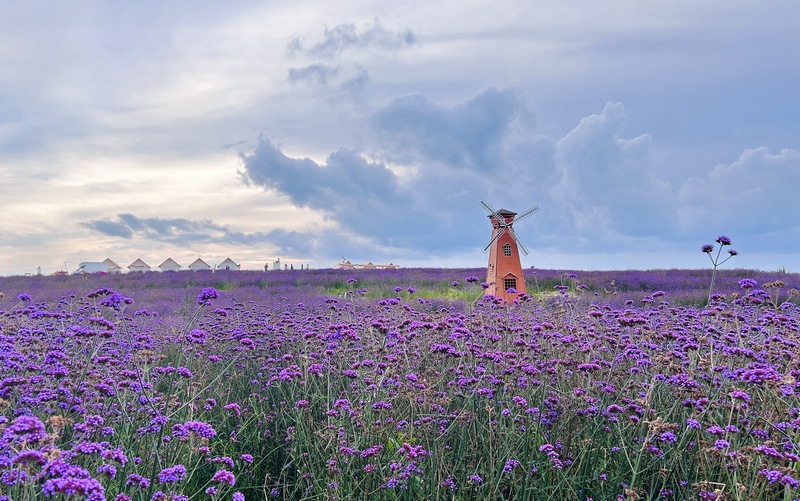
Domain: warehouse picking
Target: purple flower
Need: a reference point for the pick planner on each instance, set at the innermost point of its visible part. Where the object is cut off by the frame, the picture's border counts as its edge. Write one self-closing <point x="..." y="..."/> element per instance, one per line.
<point x="29" y="456"/>
<point x="740" y="395"/>
<point x="748" y="283"/>
<point x="24" y="297"/>
<point x="668" y="436"/>
<point x="115" y="300"/>
<point x="237" y="496"/>
<point x="732" y="252"/>
<point x="197" y="336"/>
<point x="708" y="248"/>
<point x="138" y="481"/>
<point x="224" y="476"/>
<point x="511" y="464"/>
<point x="87" y="486"/>
<point x="201" y="429"/>
<point x="172" y="475"/>
<point x="722" y="444"/>
<point x="206" y="295"/>
<point x="24" y="428"/>
<point x="454" y="283"/>
<point x="723" y="240"/>
<point x="771" y="475"/>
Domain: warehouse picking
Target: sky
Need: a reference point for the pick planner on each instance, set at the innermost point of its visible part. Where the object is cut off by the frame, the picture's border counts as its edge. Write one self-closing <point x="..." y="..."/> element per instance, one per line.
<point x="368" y="130"/>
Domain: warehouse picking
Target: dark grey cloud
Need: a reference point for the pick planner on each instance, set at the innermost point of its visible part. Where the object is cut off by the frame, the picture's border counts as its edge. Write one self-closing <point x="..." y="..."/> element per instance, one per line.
<point x="413" y="129"/>
<point x="346" y="36"/>
<point x="362" y="196"/>
<point x="186" y="233"/>
<point x="110" y="228"/>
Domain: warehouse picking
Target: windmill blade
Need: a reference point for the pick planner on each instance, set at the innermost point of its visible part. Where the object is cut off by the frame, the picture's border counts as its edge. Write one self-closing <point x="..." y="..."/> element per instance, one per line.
<point x="518" y="241"/>
<point x="488" y="207"/>
<point x="501" y="221"/>
<point x="499" y="234"/>
<point x="532" y="210"/>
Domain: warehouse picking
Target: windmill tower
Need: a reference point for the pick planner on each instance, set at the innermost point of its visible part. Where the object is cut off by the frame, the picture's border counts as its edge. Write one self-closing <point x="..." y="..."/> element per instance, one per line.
<point x="505" y="270"/>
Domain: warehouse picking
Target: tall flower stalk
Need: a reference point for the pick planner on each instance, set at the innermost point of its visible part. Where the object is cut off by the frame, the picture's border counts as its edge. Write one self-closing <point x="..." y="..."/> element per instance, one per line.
<point x="717" y="261"/>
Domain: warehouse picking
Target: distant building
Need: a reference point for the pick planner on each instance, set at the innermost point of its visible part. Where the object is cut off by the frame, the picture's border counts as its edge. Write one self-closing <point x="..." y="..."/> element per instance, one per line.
<point x="228" y="264"/>
<point x="276" y="265"/>
<point x="199" y="265"/>
<point x="169" y="265"/>
<point x="347" y="265"/>
<point x="112" y="267"/>
<point x="139" y="266"/>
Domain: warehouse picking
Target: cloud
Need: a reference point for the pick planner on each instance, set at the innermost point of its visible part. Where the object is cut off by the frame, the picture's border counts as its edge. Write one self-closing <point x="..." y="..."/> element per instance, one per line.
<point x="188" y="233"/>
<point x="346" y="36"/>
<point x="315" y="73"/>
<point x="110" y="228"/>
<point x="595" y="186"/>
<point x="334" y="84"/>
<point x="362" y="196"/>
<point x="606" y="185"/>
<point x="755" y="194"/>
<point x="412" y="129"/>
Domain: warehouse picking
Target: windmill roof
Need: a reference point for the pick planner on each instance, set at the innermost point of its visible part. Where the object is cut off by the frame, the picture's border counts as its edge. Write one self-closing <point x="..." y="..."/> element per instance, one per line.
<point x="505" y="212"/>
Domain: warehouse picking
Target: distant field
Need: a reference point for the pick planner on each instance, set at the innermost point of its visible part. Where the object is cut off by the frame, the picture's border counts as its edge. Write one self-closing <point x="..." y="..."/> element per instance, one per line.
<point x="400" y="384"/>
<point x="614" y="287"/>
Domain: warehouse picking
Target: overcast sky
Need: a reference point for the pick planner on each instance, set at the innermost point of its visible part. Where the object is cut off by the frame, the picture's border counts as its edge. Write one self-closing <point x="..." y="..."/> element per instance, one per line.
<point x="371" y="130"/>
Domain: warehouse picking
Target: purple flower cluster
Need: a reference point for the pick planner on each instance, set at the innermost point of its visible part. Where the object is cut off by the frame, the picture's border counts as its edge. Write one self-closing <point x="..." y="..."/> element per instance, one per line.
<point x="395" y="394"/>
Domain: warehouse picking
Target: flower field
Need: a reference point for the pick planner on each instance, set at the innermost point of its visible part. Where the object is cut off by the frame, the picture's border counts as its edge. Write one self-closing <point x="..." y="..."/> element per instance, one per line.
<point x="400" y="384"/>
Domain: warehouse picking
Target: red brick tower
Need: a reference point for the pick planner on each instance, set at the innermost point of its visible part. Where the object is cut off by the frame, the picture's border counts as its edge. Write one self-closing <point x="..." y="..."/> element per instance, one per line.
<point x="505" y="270"/>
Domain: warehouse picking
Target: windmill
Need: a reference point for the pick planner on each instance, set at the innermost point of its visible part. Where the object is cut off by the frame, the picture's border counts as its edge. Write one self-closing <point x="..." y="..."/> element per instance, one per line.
<point x="505" y="270"/>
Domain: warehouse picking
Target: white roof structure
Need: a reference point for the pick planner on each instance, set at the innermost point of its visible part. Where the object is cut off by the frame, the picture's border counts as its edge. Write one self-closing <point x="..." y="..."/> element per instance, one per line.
<point x="169" y="265"/>
<point x="112" y="266"/>
<point x="199" y="265"/>
<point x="139" y="265"/>
<point x="228" y="264"/>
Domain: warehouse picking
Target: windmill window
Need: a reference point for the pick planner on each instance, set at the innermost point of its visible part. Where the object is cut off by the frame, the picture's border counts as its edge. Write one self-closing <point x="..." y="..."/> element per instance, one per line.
<point x="507" y="250"/>
<point x="509" y="283"/>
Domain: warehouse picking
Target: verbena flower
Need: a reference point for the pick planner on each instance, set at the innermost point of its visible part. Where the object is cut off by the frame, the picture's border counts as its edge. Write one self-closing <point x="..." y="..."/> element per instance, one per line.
<point x="224" y="476"/>
<point x="201" y="429"/>
<point x="172" y="475"/>
<point x="748" y="283"/>
<point x="206" y="295"/>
